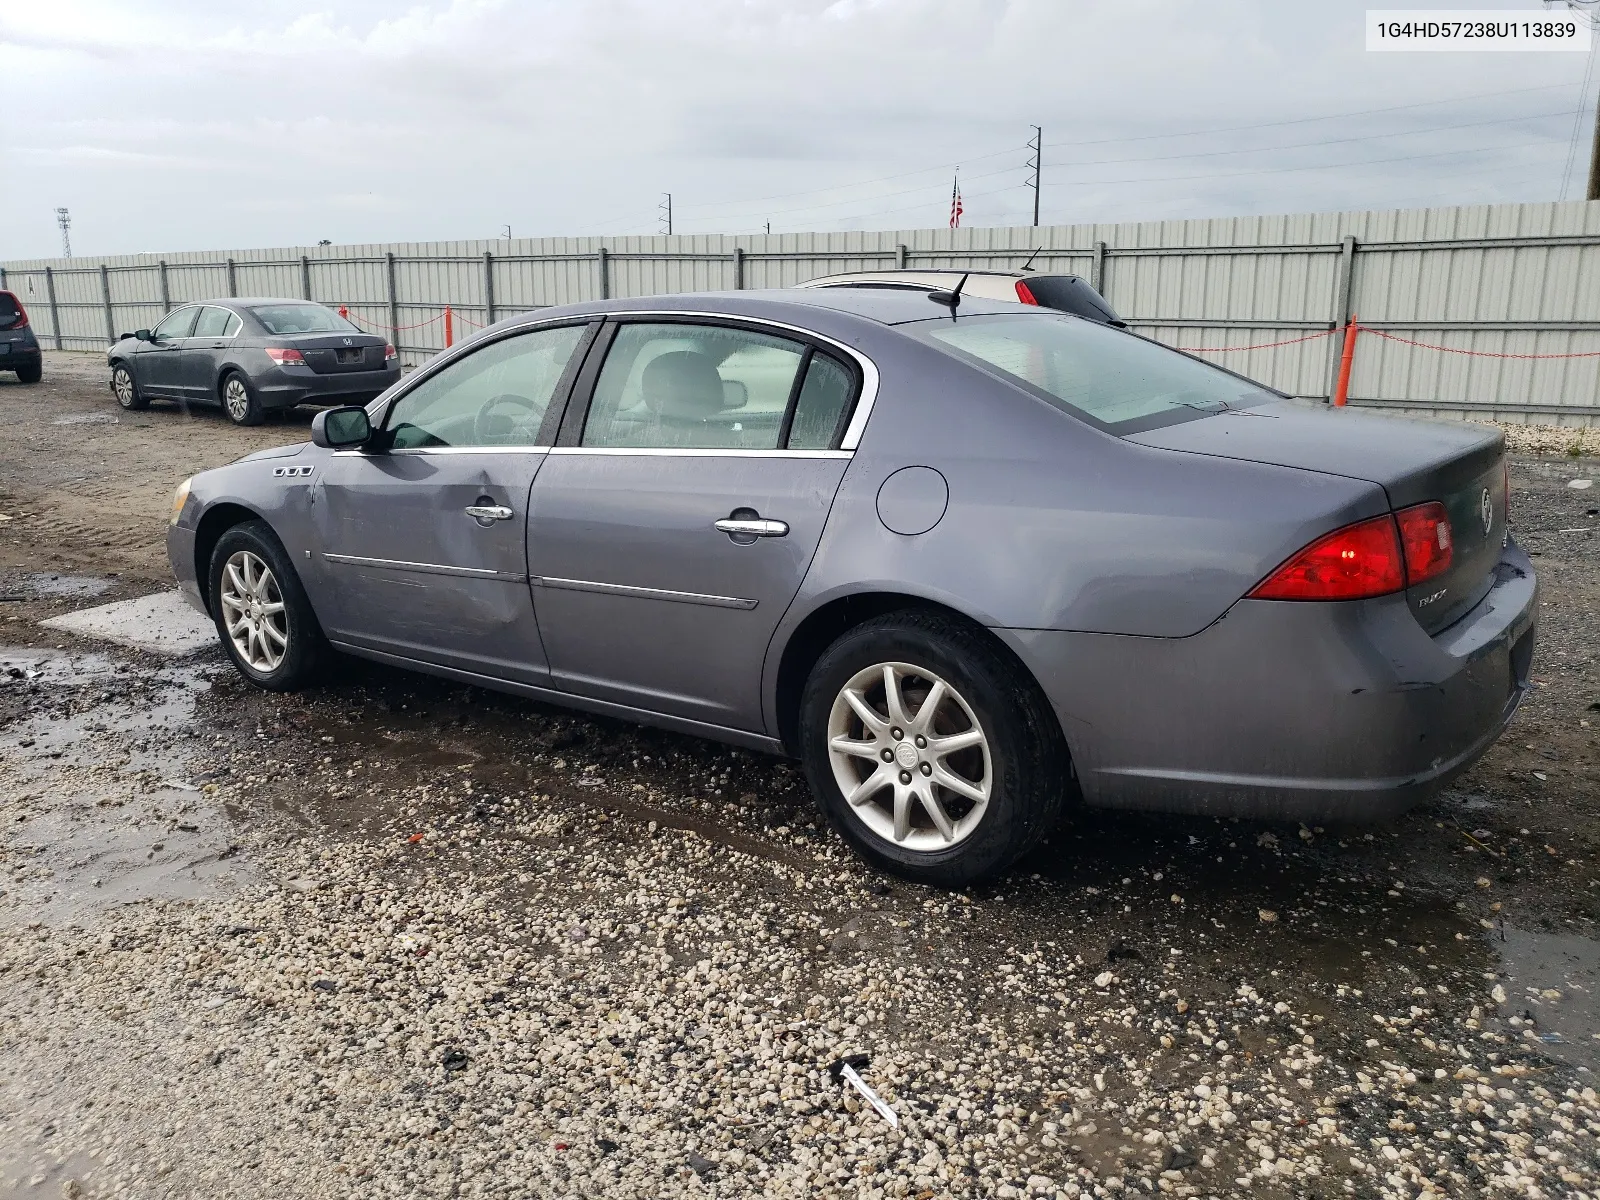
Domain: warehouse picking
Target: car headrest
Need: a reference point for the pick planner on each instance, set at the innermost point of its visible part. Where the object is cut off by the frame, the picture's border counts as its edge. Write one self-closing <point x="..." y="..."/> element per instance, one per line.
<point x="682" y="383"/>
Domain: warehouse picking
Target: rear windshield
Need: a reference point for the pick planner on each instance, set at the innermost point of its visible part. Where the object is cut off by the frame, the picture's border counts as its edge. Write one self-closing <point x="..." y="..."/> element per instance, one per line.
<point x="10" y="311"/>
<point x="1070" y="294"/>
<point x="301" y="318"/>
<point x="1115" y="380"/>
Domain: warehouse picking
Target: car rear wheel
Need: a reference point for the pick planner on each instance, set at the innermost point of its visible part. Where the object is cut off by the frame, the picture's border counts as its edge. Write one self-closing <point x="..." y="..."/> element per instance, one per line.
<point x="239" y="400"/>
<point x="925" y="753"/>
<point x="262" y="615"/>
<point x="30" y="374"/>
<point x="126" y="388"/>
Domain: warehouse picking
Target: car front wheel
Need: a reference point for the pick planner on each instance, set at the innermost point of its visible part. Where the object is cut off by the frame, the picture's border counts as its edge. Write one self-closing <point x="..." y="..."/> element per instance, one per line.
<point x="262" y="615"/>
<point x="926" y="753"/>
<point x="126" y="388"/>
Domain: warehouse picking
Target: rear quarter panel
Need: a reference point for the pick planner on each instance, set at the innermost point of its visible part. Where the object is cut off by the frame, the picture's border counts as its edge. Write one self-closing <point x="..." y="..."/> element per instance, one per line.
<point x="1052" y="524"/>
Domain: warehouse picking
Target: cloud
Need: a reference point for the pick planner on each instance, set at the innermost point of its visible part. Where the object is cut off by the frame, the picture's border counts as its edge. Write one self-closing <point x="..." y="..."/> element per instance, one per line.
<point x="168" y="124"/>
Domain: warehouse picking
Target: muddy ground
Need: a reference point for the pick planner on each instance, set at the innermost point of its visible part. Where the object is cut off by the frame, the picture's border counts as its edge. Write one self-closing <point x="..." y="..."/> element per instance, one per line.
<point x="395" y="936"/>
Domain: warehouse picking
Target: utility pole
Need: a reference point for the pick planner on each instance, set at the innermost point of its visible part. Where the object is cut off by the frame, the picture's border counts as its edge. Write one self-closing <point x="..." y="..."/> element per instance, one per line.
<point x="665" y="211"/>
<point x="64" y="219"/>
<point x="507" y="233"/>
<point x="1036" y="144"/>
<point x="769" y="226"/>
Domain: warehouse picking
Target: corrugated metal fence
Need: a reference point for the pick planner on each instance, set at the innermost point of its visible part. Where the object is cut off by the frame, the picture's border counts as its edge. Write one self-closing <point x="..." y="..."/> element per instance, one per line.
<point x="1506" y="298"/>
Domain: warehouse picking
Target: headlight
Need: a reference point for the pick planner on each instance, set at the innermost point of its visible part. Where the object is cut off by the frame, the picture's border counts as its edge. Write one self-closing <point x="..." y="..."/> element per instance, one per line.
<point x="179" y="498"/>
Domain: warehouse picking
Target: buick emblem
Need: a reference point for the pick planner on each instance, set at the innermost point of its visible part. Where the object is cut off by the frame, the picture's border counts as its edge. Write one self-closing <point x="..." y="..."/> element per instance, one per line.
<point x="1486" y="511"/>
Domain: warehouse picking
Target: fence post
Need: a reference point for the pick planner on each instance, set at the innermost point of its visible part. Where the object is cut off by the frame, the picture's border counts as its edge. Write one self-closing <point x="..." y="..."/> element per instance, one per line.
<point x="166" y="294"/>
<point x="602" y="258"/>
<point x="488" y="287"/>
<point x="233" y="279"/>
<point x="3" y="287"/>
<point x="900" y="256"/>
<point x="738" y="268"/>
<point x="449" y="327"/>
<point x="1344" y="291"/>
<point x="1341" y="391"/>
<point x="55" y="313"/>
<point x="305" y="276"/>
<point x="394" y="299"/>
<point x="1097" y="269"/>
<point x="105" y="298"/>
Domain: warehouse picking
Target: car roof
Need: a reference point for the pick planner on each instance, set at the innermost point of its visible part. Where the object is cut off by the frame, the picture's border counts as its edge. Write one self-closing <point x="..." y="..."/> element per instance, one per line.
<point x="249" y="302"/>
<point x="887" y="307"/>
<point x="915" y="274"/>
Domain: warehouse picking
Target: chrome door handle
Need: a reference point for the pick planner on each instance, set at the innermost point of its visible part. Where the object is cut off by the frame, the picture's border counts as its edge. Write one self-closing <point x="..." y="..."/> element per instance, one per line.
<point x="756" y="527"/>
<point x="489" y="512"/>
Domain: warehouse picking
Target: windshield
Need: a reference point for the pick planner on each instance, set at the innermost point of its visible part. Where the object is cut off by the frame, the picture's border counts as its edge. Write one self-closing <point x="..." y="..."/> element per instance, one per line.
<point x="301" y="318"/>
<point x="1122" y="383"/>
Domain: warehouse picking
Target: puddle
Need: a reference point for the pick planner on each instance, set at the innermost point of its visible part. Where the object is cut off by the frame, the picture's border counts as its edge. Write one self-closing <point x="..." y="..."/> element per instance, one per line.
<point x="40" y="586"/>
<point x="1552" y="979"/>
<point x="94" y="788"/>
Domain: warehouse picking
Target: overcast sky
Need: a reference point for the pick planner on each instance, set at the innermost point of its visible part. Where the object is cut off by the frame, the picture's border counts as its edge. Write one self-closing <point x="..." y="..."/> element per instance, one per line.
<point x="170" y="125"/>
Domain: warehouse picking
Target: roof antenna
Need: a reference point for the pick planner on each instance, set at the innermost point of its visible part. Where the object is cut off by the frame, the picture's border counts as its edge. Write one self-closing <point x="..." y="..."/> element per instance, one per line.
<point x="1028" y="266"/>
<point x="952" y="297"/>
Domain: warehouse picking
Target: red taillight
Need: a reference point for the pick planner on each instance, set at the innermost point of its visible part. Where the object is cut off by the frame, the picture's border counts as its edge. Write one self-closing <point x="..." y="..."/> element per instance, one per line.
<point x="1352" y="563"/>
<point x="1024" y="296"/>
<point x="286" y="356"/>
<point x="1426" y="540"/>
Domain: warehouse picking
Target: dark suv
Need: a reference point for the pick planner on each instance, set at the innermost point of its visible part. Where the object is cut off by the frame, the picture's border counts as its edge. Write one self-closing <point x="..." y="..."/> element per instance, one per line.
<point x="19" y="349"/>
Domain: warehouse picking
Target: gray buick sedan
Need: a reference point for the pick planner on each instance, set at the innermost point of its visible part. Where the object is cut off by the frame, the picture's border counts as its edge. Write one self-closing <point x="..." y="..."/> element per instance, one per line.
<point x="251" y="357"/>
<point x="970" y="561"/>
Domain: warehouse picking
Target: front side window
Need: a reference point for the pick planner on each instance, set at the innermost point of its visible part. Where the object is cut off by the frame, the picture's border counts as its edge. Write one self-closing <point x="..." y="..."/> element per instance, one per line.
<point x="213" y="322"/>
<point x="684" y="386"/>
<point x="177" y="324"/>
<point x="1123" y="383"/>
<point x="496" y="396"/>
<point x="283" y="319"/>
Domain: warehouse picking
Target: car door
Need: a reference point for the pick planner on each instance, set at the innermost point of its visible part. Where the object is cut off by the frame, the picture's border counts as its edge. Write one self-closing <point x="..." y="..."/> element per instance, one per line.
<point x="423" y="536"/>
<point x="159" y="363"/>
<point x="202" y="353"/>
<point x="674" y="523"/>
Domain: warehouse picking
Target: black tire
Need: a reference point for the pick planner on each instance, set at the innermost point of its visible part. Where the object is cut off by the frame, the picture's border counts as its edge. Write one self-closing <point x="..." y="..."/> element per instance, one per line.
<point x="125" y="387"/>
<point x="239" y="399"/>
<point x="30" y="374"/>
<point x="304" y="650"/>
<point x="1026" y="769"/>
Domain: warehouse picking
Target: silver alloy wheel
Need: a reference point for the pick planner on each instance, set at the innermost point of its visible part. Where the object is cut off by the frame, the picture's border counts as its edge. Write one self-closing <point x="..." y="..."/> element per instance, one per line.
<point x="252" y="609"/>
<point x="910" y="756"/>
<point x="122" y="382"/>
<point x="236" y="398"/>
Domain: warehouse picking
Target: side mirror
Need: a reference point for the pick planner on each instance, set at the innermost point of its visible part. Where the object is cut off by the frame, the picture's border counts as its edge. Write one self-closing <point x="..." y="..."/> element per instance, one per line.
<point x="340" y="428"/>
<point x="142" y="334"/>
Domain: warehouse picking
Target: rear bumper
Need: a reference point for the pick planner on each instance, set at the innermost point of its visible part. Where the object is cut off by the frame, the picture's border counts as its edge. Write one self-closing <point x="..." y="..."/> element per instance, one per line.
<point x="286" y="387"/>
<point x="1287" y="711"/>
<point x="19" y="354"/>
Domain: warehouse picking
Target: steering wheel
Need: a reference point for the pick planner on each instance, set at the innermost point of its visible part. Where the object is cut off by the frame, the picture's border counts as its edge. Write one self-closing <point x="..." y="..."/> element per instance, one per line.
<point x="491" y="427"/>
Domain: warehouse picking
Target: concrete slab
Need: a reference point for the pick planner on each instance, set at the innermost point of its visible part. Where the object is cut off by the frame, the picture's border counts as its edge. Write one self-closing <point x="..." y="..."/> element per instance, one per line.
<point x="162" y="624"/>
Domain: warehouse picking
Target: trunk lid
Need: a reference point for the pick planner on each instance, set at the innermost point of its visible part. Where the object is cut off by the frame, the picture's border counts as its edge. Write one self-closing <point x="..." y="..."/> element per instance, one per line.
<point x="333" y="353"/>
<point x="1460" y="466"/>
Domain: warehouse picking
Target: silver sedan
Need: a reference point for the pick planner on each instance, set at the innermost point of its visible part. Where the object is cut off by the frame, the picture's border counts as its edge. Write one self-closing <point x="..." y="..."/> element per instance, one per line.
<point x="972" y="562"/>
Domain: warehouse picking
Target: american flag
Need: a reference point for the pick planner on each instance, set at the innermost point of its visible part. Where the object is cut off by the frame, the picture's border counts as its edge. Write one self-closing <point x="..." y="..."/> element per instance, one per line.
<point x="955" y="203"/>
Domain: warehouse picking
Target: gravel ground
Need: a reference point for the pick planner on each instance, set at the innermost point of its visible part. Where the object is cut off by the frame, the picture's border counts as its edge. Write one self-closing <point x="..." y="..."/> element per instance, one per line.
<point x="397" y="937"/>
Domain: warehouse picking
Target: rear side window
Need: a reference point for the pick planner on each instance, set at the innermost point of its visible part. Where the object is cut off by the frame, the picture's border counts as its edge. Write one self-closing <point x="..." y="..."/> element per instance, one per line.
<point x="233" y="326"/>
<point x="213" y="322"/>
<point x="706" y="387"/>
<point x="1115" y="380"/>
<point x="301" y="318"/>
<point x="10" y="311"/>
